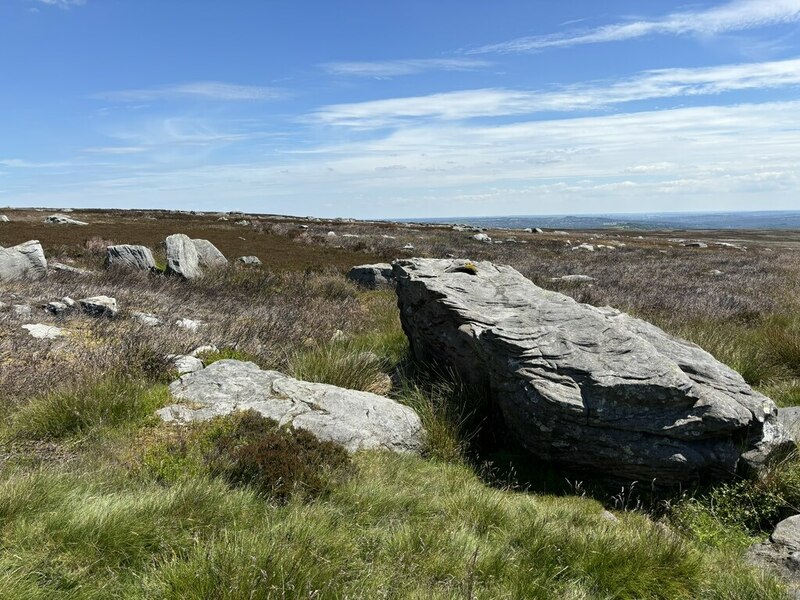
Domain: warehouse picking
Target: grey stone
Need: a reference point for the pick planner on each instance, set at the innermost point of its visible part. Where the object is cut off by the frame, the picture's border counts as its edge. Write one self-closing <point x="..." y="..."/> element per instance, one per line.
<point x="372" y="276"/>
<point x="574" y="278"/>
<point x="21" y="311"/>
<point x="695" y="245"/>
<point x="356" y="420"/>
<point x="147" y="319"/>
<point x="99" y="306"/>
<point x="182" y="257"/>
<point x="4" y="219"/>
<point x="63" y="220"/>
<point x="129" y="256"/>
<point x="780" y="554"/>
<point x="482" y="237"/>
<point x="62" y="268"/>
<point x="789" y="418"/>
<point x="587" y="247"/>
<point x="56" y="308"/>
<point x="209" y="255"/>
<point x="202" y="350"/>
<point x="188" y="324"/>
<point x="24" y="261"/>
<point x="44" y="332"/>
<point x="249" y="260"/>
<point x="591" y="388"/>
<point x="183" y="363"/>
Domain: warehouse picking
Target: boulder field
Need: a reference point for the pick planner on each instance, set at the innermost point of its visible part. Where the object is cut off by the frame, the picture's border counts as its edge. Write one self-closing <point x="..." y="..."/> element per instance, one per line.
<point x="591" y="388"/>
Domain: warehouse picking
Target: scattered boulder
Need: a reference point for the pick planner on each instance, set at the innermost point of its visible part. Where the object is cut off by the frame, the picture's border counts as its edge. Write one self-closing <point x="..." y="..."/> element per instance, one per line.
<point x="587" y="247"/>
<point x="62" y="268"/>
<point x="482" y="237"/>
<point x="591" y="388"/>
<point x="4" y="219"/>
<point x="781" y="554"/>
<point x="182" y="257"/>
<point x="574" y="278"/>
<point x="24" y="261"/>
<point x="209" y="255"/>
<point x="716" y="273"/>
<point x="44" y="332"/>
<point x="372" y="276"/>
<point x="202" y="350"/>
<point x="695" y="245"/>
<point x="99" y="306"/>
<point x="242" y="222"/>
<point x="188" y="324"/>
<point x="789" y="418"/>
<point x="56" y="308"/>
<point x="249" y="260"/>
<point x="21" y="311"/>
<point x="408" y="247"/>
<point x="353" y="419"/>
<point x="63" y="220"/>
<point x="147" y="319"/>
<point x="129" y="256"/>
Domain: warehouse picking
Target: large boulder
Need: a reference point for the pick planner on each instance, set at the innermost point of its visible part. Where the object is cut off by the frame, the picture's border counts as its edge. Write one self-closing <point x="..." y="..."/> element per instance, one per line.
<point x="25" y="261"/>
<point x="130" y="257"/>
<point x="182" y="257"/>
<point x="591" y="388"/>
<point x="209" y="255"/>
<point x="353" y="419"/>
<point x="372" y="276"/>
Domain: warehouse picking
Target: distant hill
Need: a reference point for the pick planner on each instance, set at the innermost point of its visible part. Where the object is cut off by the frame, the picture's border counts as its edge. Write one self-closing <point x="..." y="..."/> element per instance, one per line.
<point x="726" y="220"/>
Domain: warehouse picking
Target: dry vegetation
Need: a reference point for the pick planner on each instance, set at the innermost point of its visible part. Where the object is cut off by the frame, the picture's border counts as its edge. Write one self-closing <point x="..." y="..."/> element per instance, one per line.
<point x="98" y="500"/>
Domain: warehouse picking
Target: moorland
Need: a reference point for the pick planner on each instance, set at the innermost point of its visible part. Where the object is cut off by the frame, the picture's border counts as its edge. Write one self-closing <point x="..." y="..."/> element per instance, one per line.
<point x="100" y="499"/>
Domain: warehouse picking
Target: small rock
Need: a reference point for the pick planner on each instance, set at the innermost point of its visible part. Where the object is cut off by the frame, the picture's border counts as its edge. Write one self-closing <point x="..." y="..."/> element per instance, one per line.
<point x="781" y="554"/>
<point x="4" y="219"/>
<point x="716" y="273"/>
<point x="147" y="319"/>
<point x="62" y="268"/>
<point x="56" y="308"/>
<point x="408" y="247"/>
<point x="203" y="349"/>
<point x="44" y="332"/>
<point x="22" y="311"/>
<point x="482" y="237"/>
<point x="331" y="234"/>
<point x="249" y="260"/>
<point x="607" y="515"/>
<point x="188" y="324"/>
<point x="242" y="222"/>
<point x="695" y="245"/>
<point x="69" y="302"/>
<point x="99" y="306"/>
<point x="372" y="276"/>
<point x="574" y="278"/>
<point x="587" y="247"/>
<point x="183" y="363"/>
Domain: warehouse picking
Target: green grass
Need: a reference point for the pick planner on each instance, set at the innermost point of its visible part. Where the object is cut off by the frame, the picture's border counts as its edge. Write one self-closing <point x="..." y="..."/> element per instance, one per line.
<point x="403" y="527"/>
<point x="108" y="403"/>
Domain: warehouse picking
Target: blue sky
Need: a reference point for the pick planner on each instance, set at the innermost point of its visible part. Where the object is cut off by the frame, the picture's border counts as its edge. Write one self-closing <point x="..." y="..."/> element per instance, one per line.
<point x="401" y="109"/>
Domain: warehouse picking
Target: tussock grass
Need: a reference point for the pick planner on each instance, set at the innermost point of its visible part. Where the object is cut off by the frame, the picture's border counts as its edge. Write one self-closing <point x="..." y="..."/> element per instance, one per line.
<point x="403" y="527"/>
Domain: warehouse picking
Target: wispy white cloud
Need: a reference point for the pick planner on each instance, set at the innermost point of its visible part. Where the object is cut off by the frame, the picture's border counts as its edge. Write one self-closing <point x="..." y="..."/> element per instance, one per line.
<point x="395" y="68"/>
<point x="62" y="3"/>
<point x="115" y="150"/>
<point x="467" y="104"/>
<point x="208" y="90"/>
<point x="738" y="15"/>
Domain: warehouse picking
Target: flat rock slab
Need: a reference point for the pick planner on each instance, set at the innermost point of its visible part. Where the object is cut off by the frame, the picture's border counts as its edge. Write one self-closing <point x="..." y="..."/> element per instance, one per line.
<point x="44" y="332"/>
<point x="356" y="420"/>
<point x="63" y="220"/>
<point x="24" y="261"/>
<point x="591" y="388"/>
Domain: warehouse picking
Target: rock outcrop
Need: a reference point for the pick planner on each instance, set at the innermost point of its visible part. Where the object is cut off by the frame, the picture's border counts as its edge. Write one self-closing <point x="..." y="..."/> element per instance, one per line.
<point x="781" y="554"/>
<point x="209" y="255"/>
<point x="353" y="419"/>
<point x="182" y="257"/>
<point x="99" y="306"/>
<point x="591" y="388"/>
<point x="372" y="276"/>
<point x="252" y="261"/>
<point x="63" y="220"/>
<point x="25" y="261"/>
<point x="130" y="257"/>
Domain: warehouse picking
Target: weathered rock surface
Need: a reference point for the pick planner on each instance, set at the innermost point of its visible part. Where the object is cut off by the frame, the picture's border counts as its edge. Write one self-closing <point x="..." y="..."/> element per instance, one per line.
<point x="99" y="306"/>
<point x="184" y="363"/>
<point x="781" y="554"/>
<point x="182" y="257"/>
<point x="789" y="418"/>
<point x="4" y="219"/>
<point x="591" y="388"/>
<point x="25" y="261"/>
<point x="209" y="255"/>
<point x="63" y="220"/>
<point x="252" y="261"/>
<point x="356" y="420"/>
<point x="148" y="319"/>
<point x="44" y="332"/>
<point x="62" y="268"/>
<point x="372" y="276"/>
<point x="131" y="257"/>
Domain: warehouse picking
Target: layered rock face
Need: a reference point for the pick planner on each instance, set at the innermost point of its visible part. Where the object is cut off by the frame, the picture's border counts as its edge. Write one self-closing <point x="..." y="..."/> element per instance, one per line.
<point x="353" y="419"/>
<point x="130" y="256"/>
<point x="182" y="257"/>
<point x="591" y="388"/>
<point x="24" y="261"/>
